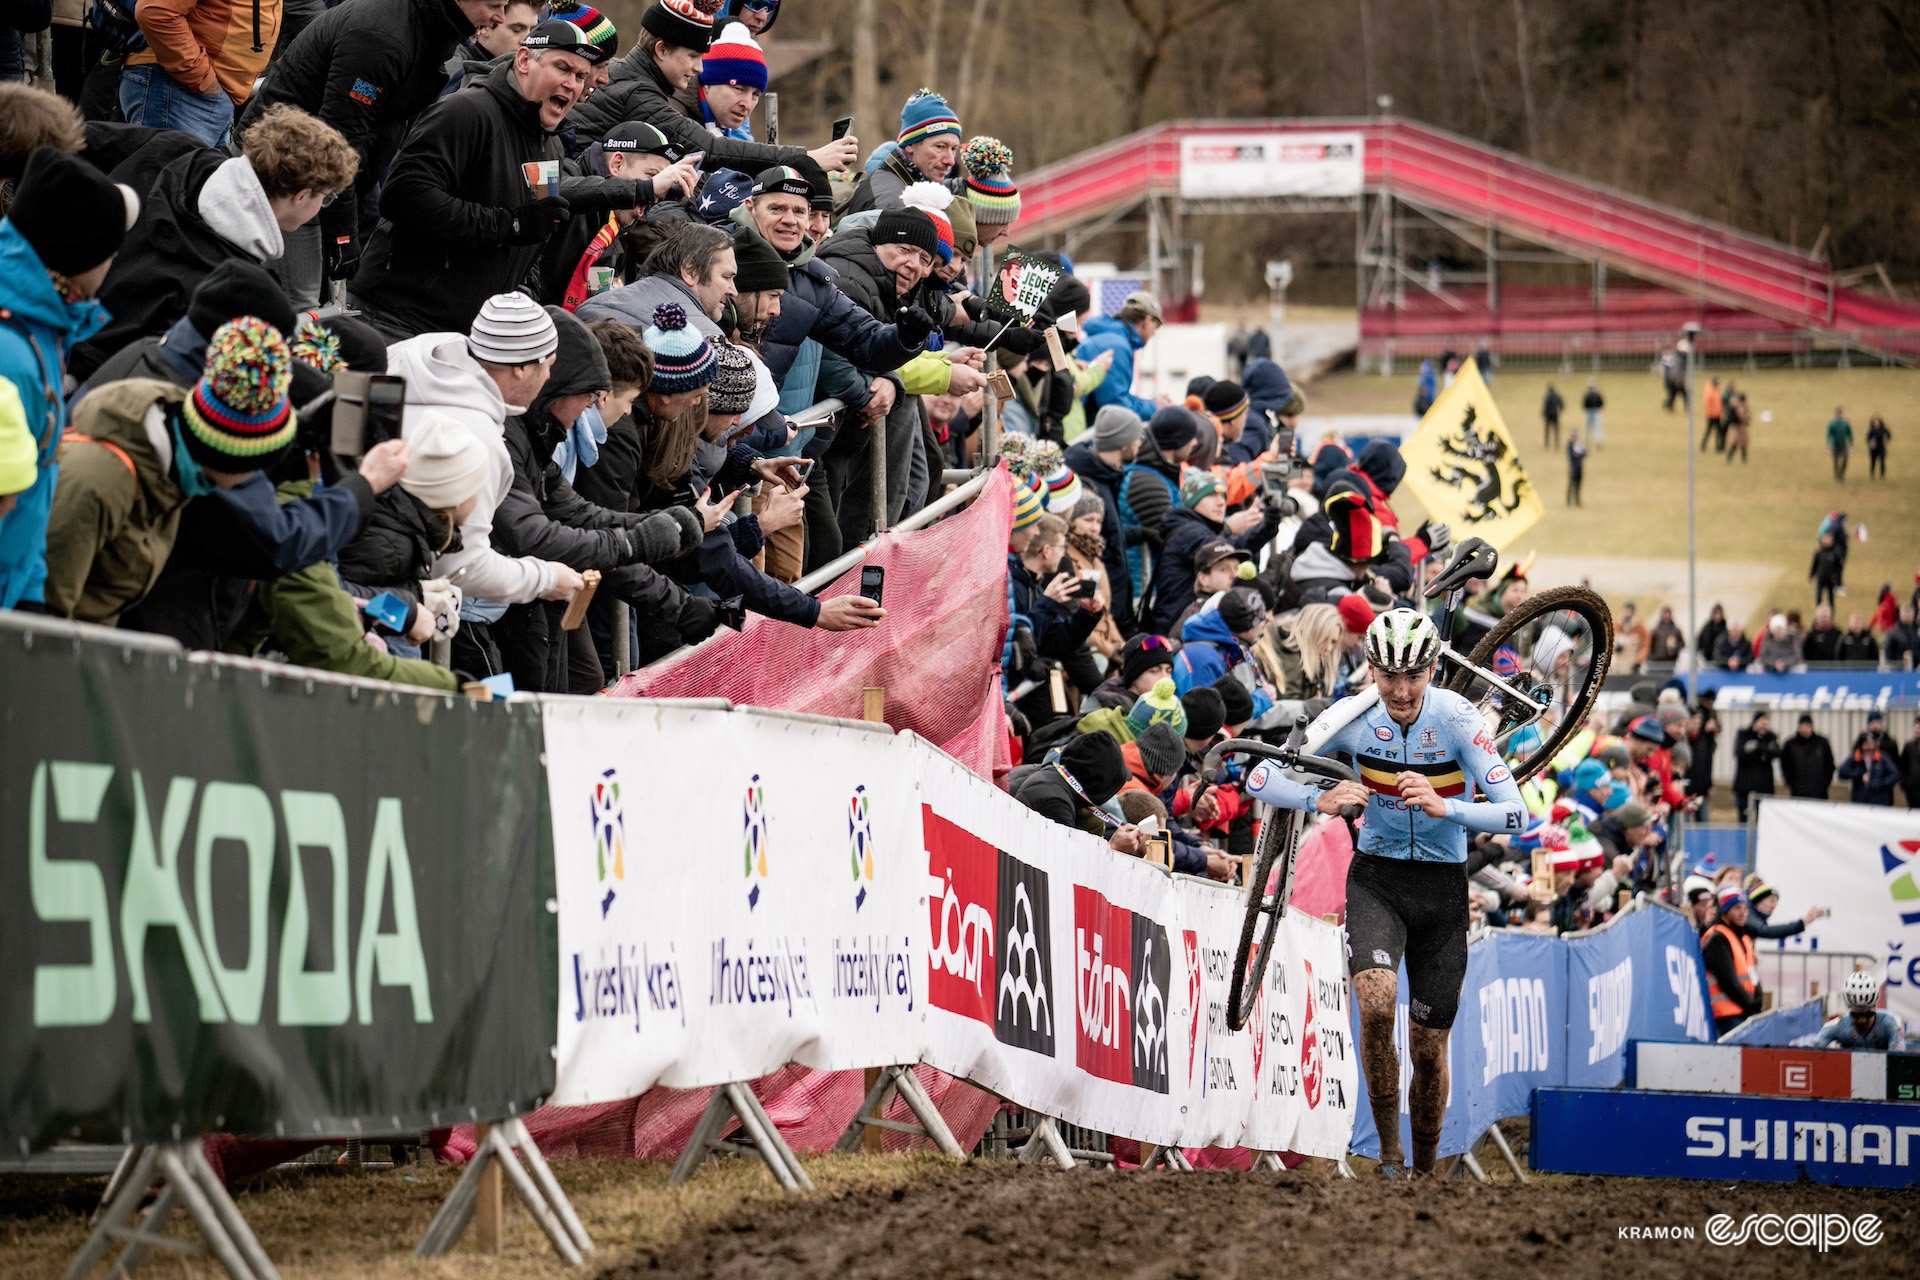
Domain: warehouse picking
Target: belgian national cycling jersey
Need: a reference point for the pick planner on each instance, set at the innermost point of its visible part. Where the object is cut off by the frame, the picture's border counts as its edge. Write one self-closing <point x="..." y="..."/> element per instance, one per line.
<point x="1449" y="743"/>
<point x="1886" y="1034"/>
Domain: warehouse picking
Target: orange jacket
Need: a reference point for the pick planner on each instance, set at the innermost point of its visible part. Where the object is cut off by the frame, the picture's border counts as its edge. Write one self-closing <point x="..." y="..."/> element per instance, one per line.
<point x="192" y="40"/>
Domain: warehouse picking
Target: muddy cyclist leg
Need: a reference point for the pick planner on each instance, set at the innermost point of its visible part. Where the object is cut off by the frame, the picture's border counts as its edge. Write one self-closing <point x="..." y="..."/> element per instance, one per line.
<point x="1377" y="992"/>
<point x="1427" y="1094"/>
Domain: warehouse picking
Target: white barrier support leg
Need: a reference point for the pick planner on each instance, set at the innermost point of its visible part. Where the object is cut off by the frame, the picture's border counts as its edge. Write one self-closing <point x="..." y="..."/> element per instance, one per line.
<point x="541" y="1195"/>
<point x="932" y="1125"/>
<point x="1169" y="1158"/>
<point x="1346" y="1170"/>
<point x="1046" y="1144"/>
<point x="1506" y="1152"/>
<point x="1269" y="1160"/>
<point x="737" y="1101"/>
<point x="186" y="1182"/>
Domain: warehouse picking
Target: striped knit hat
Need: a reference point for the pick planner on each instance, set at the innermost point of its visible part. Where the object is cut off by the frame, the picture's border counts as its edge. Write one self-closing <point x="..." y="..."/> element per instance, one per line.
<point x="686" y="23"/>
<point x="926" y="115"/>
<point x="1027" y="507"/>
<point x="682" y="358"/>
<point x="988" y="164"/>
<point x="1063" y="490"/>
<point x="512" y="329"/>
<point x="596" y="26"/>
<point x="238" y="418"/>
<point x="735" y="58"/>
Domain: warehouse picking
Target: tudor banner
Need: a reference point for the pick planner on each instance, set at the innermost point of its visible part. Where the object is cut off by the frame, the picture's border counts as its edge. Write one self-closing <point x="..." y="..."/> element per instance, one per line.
<point x="1092" y="988"/>
<point x="266" y="906"/>
<point x="737" y="890"/>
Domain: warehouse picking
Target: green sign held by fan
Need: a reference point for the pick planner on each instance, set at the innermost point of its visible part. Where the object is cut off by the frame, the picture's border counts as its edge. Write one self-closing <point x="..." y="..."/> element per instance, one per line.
<point x="1023" y="284"/>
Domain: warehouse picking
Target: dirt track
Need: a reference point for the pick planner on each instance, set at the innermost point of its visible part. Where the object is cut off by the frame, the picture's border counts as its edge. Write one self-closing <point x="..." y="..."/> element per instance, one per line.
<point x="997" y="1221"/>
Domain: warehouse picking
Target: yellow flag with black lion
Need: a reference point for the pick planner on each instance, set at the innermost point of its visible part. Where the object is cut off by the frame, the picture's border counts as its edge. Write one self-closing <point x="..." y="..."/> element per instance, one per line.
<point x="1462" y="464"/>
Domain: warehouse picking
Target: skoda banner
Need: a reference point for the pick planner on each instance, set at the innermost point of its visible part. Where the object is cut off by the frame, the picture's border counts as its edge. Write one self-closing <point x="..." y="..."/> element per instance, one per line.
<point x="265" y="906"/>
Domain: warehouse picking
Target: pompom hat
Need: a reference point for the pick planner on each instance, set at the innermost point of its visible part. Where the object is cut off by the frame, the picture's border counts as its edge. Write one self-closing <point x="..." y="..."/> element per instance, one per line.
<point x="735" y="58"/>
<point x="682" y="358"/>
<point x="686" y="23"/>
<point x="238" y="418"/>
<point x="926" y="115"/>
<point x="988" y="164"/>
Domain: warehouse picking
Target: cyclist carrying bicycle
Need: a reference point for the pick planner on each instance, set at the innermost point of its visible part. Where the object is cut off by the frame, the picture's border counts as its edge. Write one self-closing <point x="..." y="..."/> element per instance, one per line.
<point x="1421" y="752"/>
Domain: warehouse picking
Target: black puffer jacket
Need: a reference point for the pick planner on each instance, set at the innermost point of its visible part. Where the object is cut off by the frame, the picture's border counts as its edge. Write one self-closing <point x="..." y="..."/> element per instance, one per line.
<point x="366" y="67"/>
<point x="395" y="550"/>
<point x="636" y="90"/>
<point x="169" y="251"/>
<point x="134" y="154"/>
<point x="450" y="206"/>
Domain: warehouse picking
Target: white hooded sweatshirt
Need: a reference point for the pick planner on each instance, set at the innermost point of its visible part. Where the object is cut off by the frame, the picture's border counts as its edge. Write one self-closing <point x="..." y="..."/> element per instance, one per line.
<point x="441" y="376"/>
<point x="236" y="209"/>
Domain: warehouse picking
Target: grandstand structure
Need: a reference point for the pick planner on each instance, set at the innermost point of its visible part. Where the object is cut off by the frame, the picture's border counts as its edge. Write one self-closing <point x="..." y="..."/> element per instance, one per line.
<point x="1647" y="268"/>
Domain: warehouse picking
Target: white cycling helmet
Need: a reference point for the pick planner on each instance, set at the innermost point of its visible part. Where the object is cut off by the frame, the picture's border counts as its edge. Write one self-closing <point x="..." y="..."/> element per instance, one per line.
<point x="1402" y="640"/>
<point x="1861" y="990"/>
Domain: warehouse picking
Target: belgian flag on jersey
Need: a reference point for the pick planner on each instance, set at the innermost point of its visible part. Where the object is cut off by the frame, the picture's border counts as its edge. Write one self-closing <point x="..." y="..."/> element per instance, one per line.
<point x="1377" y="775"/>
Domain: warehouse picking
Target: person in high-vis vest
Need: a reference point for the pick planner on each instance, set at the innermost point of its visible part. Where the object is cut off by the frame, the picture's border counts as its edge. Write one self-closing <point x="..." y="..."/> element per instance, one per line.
<point x="1732" y="982"/>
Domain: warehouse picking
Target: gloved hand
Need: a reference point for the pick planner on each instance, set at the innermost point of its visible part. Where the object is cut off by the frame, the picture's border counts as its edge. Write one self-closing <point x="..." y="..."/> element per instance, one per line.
<point x="913" y="326"/>
<point x="1436" y="535"/>
<point x="665" y="535"/>
<point x="699" y="617"/>
<point x="340" y="257"/>
<point x="537" y="220"/>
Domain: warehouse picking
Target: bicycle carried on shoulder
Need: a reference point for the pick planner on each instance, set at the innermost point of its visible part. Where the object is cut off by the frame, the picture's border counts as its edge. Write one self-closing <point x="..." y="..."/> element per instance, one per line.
<point x="1540" y="668"/>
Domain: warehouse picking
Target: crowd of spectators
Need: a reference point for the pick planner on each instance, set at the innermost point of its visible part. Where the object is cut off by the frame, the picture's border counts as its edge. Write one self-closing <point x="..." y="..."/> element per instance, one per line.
<point x="601" y="295"/>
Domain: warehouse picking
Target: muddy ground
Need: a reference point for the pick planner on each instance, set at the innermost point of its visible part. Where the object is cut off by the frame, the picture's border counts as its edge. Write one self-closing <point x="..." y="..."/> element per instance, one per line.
<point x="996" y="1221"/>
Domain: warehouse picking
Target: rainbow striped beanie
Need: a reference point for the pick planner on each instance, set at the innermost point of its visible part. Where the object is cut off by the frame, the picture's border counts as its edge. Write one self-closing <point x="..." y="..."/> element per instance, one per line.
<point x="926" y="115"/>
<point x="988" y="164"/>
<point x="238" y="418"/>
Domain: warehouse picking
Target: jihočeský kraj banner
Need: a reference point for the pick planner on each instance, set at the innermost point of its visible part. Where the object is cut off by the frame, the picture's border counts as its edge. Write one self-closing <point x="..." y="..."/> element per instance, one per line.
<point x="736" y="890"/>
<point x="1092" y="987"/>
<point x="263" y="905"/>
<point x="1542" y="1011"/>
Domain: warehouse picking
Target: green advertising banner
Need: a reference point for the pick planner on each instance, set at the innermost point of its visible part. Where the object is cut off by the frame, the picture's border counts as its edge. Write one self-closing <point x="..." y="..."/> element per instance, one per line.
<point x="258" y="905"/>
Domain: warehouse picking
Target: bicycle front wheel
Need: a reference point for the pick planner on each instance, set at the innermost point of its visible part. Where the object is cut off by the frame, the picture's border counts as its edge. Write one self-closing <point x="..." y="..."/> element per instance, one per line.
<point x="1279" y="841"/>
<point x="1557" y="646"/>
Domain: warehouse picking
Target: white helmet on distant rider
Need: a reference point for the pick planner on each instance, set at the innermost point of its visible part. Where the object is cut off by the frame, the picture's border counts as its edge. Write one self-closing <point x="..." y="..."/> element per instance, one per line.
<point x="1401" y="641"/>
<point x="1861" y="991"/>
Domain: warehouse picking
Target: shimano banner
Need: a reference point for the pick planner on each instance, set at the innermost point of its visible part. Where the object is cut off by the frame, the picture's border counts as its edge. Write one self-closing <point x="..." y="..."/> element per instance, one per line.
<point x="270" y="906"/>
<point x="1538" y="1011"/>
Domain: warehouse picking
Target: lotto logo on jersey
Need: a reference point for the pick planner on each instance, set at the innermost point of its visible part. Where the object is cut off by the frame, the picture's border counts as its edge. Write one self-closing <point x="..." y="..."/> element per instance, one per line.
<point x="1383" y="733"/>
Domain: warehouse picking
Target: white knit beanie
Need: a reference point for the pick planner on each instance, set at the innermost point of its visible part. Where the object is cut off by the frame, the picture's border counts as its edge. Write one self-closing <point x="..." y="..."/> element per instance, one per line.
<point x="512" y="329"/>
<point x="447" y="465"/>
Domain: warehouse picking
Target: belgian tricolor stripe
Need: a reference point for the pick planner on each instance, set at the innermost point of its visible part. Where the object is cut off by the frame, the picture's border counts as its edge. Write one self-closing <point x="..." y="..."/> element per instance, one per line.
<point x="1377" y="775"/>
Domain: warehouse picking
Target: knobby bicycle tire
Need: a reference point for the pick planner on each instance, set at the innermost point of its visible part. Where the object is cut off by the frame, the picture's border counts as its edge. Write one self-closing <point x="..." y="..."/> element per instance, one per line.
<point x="1576" y="600"/>
<point x="1250" y="957"/>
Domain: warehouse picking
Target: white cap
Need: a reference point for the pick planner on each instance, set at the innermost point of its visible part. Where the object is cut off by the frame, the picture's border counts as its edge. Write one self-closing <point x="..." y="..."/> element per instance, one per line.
<point x="512" y="329"/>
<point x="447" y="464"/>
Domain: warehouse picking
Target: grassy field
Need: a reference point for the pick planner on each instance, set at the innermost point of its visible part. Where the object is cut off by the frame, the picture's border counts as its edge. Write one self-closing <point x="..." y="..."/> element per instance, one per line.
<point x="1756" y="521"/>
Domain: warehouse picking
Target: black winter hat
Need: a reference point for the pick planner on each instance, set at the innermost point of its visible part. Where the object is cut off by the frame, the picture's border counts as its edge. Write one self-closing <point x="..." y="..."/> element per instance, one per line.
<point x="1173" y="426"/>
<point x="1242" y="609"/>
<point x="901" y="225"/>
<point x="1235" y="698"/>
<point x="686" y="23"/>
<point x="819" y="190"/>
<point x="1095" y="762"/>
<point x="361" y="345"/>
<point x="72" y="215"/>
<point x="1143" y="652"/>
<point x="760" y="265"/>
<point x="1206" y="713"/>
<point x="238" y="288"/>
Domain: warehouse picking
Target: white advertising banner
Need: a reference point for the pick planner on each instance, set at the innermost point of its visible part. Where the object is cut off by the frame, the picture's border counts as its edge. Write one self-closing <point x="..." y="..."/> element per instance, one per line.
<point x="736" y="891"/>
<point x="1266" y="163"/>
<point x="1863" y="861"/>
<point x="1092" y="987"/>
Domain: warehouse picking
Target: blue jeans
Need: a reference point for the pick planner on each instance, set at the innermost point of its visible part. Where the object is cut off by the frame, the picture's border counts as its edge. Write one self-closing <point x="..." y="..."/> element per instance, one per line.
<point x="151" y="97"/>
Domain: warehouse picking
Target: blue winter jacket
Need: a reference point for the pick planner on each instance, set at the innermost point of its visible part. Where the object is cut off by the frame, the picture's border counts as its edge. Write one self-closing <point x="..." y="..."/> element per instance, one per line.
<point x="1105" y="333"/>
<point x="1208" y="652"/>
<point x="37" y="330"/>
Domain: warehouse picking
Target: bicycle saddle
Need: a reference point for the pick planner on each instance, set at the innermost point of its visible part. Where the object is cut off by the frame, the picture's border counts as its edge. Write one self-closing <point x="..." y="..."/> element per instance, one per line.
<point x="1475" y="558"/>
